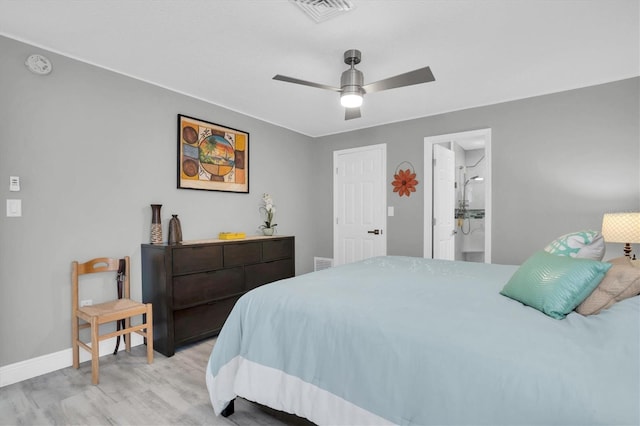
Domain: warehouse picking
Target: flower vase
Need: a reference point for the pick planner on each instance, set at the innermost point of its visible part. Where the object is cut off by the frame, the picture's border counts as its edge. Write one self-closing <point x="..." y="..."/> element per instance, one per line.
<point x="156" y="224"/>
<point x="175" y="230"/>
<point x="268" y="231"/>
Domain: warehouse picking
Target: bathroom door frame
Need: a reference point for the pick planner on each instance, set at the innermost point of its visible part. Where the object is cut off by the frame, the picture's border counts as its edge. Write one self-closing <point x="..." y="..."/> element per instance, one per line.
<point x="429" y="141"/>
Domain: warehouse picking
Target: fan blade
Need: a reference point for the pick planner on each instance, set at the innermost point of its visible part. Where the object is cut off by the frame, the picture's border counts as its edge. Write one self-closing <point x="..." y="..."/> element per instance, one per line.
<point x="422" y="75"/>
<point x="304" y="83"/>
<point x="351" y="113"/>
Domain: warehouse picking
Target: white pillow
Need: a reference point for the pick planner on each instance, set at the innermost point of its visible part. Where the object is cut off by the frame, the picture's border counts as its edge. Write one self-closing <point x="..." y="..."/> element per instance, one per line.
<point x="582" y="244"/>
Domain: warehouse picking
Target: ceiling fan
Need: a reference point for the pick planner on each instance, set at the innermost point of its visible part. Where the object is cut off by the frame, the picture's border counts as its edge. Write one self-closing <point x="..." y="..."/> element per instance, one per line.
<point x="352" y="87"/>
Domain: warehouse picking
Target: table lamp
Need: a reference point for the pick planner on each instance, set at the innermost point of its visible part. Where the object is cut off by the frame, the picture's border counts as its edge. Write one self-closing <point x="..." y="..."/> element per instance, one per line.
<point x="622" y="228"/>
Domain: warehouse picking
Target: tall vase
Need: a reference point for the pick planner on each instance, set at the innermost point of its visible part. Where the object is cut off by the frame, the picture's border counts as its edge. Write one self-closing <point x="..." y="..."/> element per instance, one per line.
<point x="175" y="230"/>
<point x="156" y="224"/>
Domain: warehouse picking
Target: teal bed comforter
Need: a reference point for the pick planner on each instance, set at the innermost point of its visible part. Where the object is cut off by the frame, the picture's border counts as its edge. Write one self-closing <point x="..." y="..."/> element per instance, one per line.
<point x="402" y="340"/>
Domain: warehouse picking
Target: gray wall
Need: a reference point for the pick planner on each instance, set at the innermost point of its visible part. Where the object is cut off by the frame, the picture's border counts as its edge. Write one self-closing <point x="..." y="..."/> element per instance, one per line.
<point x="93" y="149"/>
<point x="559" y="162"/>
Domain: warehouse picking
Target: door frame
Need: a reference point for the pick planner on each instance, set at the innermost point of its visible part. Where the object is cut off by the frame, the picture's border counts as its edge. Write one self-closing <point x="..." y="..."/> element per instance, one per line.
<point x="383" y="188"/>
<point x="429" y="141"/>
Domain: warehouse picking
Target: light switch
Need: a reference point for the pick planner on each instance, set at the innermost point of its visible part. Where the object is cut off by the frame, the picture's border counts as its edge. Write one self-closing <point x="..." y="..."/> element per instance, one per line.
<point x="390" y="211"/>
<point x="14" y="183"/>
<point x="14" y="208"/>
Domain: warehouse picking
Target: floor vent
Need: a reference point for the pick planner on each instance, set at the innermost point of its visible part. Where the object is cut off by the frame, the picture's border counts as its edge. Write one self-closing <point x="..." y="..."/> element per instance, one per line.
<point x="320" y="263"/>
<point x="321" y="10"/>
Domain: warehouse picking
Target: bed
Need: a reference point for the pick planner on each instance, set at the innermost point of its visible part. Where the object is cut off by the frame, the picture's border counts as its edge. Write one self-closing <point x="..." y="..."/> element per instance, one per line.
<point x="403" y="340"/>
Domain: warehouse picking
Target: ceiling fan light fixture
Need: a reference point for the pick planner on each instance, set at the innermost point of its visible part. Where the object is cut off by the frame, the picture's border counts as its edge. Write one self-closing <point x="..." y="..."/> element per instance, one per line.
<point x="351" y="82"/>
<point x="352" y="88"/>
<point x="351" y="99"/>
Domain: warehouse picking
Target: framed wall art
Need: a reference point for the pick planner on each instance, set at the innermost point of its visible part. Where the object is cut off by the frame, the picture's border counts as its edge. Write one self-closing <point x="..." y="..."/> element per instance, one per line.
<point x="212" y="157"/>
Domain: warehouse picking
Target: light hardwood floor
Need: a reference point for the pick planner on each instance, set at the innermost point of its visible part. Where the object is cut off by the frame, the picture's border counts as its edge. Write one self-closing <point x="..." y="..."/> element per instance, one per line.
<point x="171" y="391"/>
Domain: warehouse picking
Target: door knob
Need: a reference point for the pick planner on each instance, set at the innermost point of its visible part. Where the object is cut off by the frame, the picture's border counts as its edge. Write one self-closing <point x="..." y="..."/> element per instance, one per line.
<point x="375" y="231"/>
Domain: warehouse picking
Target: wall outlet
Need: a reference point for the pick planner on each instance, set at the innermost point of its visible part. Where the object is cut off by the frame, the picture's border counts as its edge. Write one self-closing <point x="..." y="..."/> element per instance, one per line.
<point x="87" y="302"/>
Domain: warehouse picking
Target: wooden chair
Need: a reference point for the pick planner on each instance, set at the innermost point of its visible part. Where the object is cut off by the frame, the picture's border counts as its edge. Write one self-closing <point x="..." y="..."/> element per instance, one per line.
<point x="95" y="315"/>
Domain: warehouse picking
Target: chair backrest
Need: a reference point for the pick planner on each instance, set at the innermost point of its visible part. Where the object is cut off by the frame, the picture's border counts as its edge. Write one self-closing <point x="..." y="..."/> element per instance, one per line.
<point x="100" y="264"/>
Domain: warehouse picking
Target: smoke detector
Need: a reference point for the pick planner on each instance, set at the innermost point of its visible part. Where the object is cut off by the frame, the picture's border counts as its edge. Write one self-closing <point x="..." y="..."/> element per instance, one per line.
<point x="321" y="10"/>
<point x="38" y="64"/>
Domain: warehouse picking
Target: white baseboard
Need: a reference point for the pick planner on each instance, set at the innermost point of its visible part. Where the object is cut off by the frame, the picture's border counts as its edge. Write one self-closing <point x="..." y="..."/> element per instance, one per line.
<point x="23" y="370"/>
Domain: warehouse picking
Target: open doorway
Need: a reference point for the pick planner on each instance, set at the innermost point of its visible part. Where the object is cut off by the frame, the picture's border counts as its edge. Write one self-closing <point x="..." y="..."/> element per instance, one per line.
<point x="471" y="195"/>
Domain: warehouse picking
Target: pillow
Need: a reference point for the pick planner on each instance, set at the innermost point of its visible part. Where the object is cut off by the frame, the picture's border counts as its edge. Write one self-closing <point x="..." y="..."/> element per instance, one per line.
<point x="583" y="244"/>
<point x="621" y="282"/>
<point x="554" y="285"/>
<point x="622" y="260"/>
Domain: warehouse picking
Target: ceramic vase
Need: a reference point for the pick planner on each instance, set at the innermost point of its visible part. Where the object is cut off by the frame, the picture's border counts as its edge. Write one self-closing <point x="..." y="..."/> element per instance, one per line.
<point x="156" y="224"/>
<point x="175" y="230"/>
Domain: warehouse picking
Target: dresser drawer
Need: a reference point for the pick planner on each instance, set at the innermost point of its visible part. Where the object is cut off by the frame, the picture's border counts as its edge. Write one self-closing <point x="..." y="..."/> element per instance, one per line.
<point x="256" y="275"/>
<point x="197" y="258"/>
<point x="241" y="254"/>
<point x="200" y="321"/>
<point x="277" y="249"/>
<point x="193" y="289"/>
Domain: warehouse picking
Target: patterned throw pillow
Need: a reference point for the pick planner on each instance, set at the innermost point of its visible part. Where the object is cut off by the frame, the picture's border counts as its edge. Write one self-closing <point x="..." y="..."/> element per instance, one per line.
<point x="621" y="282"/>
<point x="582" y="244"/>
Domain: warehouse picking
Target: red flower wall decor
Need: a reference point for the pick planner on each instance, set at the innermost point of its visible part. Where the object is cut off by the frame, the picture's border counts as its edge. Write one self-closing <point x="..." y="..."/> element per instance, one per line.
<point x="404" y="181"/>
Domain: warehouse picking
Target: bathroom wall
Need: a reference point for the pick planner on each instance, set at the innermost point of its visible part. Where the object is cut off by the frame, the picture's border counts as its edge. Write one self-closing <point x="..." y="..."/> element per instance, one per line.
<point x="460" y="162"/>
<point x="475" y="189"/>
<point x="470" y="234"/>
<point x="474" y="235"/>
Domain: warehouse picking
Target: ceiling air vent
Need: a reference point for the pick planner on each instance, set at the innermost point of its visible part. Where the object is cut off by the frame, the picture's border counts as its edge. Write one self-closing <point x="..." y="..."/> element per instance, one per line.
<point x="321" y="10"/>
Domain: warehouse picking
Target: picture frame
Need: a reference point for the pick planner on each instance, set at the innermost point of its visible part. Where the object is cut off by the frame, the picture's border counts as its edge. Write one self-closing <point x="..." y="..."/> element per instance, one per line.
<point x="212" y="157"/>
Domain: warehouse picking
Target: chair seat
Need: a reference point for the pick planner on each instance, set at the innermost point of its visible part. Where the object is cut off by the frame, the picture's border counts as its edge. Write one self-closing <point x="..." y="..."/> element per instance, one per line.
<point x="120" y="308"/>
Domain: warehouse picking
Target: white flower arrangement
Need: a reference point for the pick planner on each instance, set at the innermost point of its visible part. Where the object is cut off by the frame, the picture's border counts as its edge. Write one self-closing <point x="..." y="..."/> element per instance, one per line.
<point x="269" y="210"/>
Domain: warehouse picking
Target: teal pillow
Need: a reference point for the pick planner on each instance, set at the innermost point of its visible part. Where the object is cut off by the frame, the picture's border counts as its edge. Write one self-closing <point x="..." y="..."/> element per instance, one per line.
<point x="555" y="285"/>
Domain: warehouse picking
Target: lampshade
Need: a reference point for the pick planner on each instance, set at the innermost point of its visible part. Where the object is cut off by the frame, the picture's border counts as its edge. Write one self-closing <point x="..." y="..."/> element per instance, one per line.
<point x="621" y="228"/>
<point x="351" y="100"/>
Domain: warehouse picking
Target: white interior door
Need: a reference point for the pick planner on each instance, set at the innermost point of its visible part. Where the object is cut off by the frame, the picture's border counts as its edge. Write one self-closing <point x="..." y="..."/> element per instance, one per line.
<point x="444" y="203"/>
<point x="360" y="200"/>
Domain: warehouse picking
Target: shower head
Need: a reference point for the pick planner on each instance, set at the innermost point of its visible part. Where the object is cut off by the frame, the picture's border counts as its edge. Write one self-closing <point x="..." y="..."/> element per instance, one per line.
<point x="473" y="178"/>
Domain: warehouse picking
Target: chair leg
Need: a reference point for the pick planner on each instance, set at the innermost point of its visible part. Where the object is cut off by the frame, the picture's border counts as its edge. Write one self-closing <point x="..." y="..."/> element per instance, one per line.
<point x="95" y="348"/>
<point x="75" y="335"/>
<point x="149" y="330"/>
<point x="127" y="337"/>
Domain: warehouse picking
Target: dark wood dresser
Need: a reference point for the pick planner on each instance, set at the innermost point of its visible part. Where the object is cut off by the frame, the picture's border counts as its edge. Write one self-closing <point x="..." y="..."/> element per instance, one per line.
<point x="194" y="285"/>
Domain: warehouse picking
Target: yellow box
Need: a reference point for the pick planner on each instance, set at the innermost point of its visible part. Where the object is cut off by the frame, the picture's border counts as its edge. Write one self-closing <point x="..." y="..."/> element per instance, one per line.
<point x="231" y="235"/>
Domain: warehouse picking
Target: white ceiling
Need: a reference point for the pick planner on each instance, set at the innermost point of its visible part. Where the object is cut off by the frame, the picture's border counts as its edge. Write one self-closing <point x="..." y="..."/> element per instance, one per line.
<point x="227" y="51"/>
